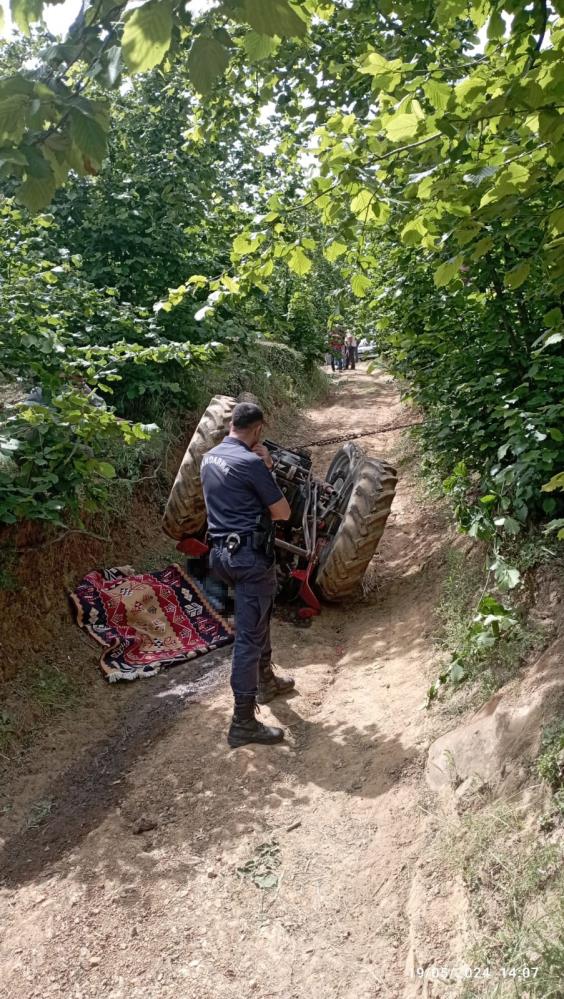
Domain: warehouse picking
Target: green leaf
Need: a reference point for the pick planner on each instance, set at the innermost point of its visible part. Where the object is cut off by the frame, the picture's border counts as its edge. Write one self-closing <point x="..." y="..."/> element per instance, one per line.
<point x="258" y="46"/>
<point x="373" y="64"/>
<point x="207" y="60"/>
<point x="106" y="470"/>
<point x="37" y="165"/>
<point x="509" y="524"/>
<point x="517" y="275"/>
<point x="496" y="26"/>
<point x="447" y="271"/>
<point x="362" y="201"/>
<point x="556" y="220"/>
<point x="556" y="482"/>
<point x="456" y="673"/>
<point x="413" y="232"/>
<point x="379" y="212"/>
<point x="507" y="578"/>
<point x="113" y="65"/>
<point x="89" y="136"/>
<point x="243" y="244"/>
<point x="12" y="117"/>
<point x="102" y="468"/>
<point x="223" y="37"/>
<point x="466" y="234"/>
<point x="553" y="317"/>
<point x="25" y="13"/>
<point x="360" y="284"/>
<point x="554" y="525"/>
<point x="401" y="127"/>
<point x="299" y="262"/>
<point x="482" y="247"/>
<point x="334" y="250"/>
<point x="147" y="35"/>
<point x="448" y="10"/>
<point x="386" y="74"/>
<point x="274" y="17"/>
<point x="12" y="156"/>
<point x="437" y="93"/>
<point x="36" y="192"/>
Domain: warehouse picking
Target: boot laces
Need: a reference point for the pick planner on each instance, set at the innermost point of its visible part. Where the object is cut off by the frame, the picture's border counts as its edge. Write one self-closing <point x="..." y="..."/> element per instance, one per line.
<point x="269" y="673"/>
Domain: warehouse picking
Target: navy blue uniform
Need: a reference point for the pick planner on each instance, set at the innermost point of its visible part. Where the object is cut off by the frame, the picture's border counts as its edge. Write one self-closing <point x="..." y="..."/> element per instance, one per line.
<point x="238" y="488"/>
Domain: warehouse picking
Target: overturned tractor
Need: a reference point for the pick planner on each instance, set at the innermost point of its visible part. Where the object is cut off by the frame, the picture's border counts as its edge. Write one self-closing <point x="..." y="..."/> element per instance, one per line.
<point x="335" y="525"/>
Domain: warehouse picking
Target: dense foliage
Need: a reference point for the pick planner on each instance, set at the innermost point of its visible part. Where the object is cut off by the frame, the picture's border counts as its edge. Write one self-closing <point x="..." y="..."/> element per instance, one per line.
<point x="289" y="161"/>
<point x="66" y="341"/>
<point x="93" y="365"/>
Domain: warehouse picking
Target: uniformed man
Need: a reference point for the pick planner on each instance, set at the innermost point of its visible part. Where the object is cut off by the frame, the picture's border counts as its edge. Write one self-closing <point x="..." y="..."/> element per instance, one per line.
<point x="242" y="500"/>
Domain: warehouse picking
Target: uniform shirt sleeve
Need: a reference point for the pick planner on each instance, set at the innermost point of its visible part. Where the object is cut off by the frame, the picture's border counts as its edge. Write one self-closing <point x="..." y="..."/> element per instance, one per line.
<point x="265" y="484"/>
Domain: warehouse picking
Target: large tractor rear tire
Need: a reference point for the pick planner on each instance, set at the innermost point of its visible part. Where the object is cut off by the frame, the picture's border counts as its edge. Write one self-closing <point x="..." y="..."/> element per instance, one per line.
<point x="369" y="486"/>
<point x="185" y="512"/>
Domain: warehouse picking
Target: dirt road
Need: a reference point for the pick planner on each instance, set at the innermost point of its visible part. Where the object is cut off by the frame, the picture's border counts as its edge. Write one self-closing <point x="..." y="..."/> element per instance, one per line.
<point x="164" y="866"/>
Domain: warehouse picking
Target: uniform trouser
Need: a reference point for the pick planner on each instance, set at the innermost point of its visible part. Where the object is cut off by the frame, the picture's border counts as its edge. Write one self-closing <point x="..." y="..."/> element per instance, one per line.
<point x="253" y="577"/>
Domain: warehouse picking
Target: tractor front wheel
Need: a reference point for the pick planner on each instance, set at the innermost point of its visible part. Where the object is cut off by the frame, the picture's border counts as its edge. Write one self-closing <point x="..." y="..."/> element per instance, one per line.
<point x="185" y="511"/>
<point x="367" y="487"/>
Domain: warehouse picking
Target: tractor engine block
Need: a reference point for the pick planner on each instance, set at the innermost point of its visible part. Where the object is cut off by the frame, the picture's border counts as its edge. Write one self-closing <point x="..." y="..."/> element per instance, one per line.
<point x="293" y="474"/>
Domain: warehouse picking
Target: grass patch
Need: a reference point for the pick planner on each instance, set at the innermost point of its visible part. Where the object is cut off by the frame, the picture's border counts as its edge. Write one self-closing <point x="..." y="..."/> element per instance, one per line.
<point x="550" y="765"/>
<point x="530" y="551"/>
<point x="52" y="689"/>
<point x="461" y="587"/>
<point x="36" y="696"/>
<point x="7" y="732"/>
<point x="40" y="811"/>
<point x="515" y="884"/>
<point x="8" y="566"/>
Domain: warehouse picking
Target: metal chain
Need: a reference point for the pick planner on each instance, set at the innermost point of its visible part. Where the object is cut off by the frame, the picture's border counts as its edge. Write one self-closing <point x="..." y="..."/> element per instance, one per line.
<point x="354" y="436"/>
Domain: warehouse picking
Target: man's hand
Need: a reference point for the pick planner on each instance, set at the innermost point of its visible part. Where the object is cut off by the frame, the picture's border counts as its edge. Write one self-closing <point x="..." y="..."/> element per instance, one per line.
<point x="264" y="453"/>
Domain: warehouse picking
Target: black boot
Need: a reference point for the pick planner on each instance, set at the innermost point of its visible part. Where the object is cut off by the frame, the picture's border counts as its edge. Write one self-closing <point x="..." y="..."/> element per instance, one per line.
<point x="271" y="685"/>
<point x="245" y="728"/>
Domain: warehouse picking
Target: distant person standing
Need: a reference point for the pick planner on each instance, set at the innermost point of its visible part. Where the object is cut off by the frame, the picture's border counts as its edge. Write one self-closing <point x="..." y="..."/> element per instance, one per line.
<point x="350" y="351"/>
<point x="336" y="347"/>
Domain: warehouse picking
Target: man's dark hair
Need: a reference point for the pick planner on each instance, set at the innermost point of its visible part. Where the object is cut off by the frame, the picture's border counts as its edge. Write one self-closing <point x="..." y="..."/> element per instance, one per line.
<point x="246" y="415"/>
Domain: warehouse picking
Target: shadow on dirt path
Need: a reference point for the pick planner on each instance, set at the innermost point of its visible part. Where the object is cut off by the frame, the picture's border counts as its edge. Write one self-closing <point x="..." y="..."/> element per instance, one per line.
<point x="99" y="782"/>
<point x="141" y="876"/>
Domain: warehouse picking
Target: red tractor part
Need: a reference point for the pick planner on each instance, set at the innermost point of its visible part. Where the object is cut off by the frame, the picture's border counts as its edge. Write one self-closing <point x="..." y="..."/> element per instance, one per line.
<point x="312" y="606"/>
<point x="192" y="547"/>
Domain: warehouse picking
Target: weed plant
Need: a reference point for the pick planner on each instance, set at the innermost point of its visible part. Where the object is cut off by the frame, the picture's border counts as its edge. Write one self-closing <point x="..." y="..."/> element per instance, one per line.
<point x="515" y="882"/>
<point x="550" y="764"/>
<point x="486" y="640"/>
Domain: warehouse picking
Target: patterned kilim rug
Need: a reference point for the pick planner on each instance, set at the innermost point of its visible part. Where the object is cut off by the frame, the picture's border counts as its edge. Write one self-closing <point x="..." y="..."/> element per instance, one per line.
<point x="147" y="620"/>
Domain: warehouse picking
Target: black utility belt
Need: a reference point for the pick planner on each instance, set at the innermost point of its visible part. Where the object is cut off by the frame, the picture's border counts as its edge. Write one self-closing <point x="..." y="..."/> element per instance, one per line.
<point x="259" y="540"/>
